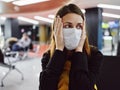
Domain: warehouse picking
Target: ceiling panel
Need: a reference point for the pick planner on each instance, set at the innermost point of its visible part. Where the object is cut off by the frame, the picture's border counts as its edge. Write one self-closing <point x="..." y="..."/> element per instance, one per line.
<point x="50" y="7"/>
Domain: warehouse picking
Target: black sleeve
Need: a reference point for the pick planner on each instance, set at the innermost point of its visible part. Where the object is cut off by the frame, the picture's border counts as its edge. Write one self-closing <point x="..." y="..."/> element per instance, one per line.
<point x="78" y="72"/>
<point x="45" y="59"/>
<point x="83" y="75"/>
<point x="49" y="77"/>
<point x="94" y="65"/>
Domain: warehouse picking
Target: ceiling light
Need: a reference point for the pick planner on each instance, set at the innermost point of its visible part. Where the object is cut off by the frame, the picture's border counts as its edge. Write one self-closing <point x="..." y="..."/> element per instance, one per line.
<point x="83" y="10"/>
<point x="27" y="2"/>
<point x="3" y="18"/>
<point x="7" y="0"/>
<point x="109" y="6"/>
<point x="51" y="16"/>
<point x="43" y="19"/>
<point x="111" y="15"/>
<point x="28" y="20"/>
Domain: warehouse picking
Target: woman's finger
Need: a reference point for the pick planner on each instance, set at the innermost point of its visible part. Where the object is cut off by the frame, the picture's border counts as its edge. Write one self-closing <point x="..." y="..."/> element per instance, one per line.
<point x="55" y="24"/>
<point x="59" y="26"/>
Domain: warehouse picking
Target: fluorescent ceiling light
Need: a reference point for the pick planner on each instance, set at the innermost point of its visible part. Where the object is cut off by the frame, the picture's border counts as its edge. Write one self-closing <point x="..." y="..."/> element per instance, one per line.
<point x="109" y="6"/>
<point x="51" y="16"/>
<point x="28" y="20"/>
<point x="83" y="10"/>
<point x="27" y="2"/>
<point x="7" y="0"/>
<point x="110" y="15"/>
<point x="3" y="18"/>
<point x="43" y="19"/>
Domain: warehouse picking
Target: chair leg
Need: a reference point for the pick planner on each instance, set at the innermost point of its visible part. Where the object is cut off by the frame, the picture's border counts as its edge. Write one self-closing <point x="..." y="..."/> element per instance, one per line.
<point x="11" y="68"/>
<point x="20" y="73"/>
<point x="2" y="84"/>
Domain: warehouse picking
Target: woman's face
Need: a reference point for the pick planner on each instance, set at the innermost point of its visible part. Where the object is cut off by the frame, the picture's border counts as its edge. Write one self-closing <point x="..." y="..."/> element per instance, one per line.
<point x="72" y="20"/>
<point x="25" y="36"/>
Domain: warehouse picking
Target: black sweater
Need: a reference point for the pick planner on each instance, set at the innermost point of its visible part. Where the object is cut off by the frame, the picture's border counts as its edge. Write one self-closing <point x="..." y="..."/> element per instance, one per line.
<point x="83" y="73"/>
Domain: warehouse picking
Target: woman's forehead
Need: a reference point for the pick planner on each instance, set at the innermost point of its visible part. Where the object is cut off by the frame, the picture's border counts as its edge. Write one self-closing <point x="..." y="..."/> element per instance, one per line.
<point x="72" y="18"/>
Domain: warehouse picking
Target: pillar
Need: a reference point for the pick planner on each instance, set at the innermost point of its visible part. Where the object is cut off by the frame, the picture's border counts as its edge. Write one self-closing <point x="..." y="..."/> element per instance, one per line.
<point x="94" y="26"/>
<point x="42" y="34"/>
<point x="12" y="28"/>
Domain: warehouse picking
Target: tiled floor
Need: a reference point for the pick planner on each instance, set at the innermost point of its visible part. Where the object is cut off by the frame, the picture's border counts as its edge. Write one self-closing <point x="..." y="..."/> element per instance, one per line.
<point x="30" y="68"/>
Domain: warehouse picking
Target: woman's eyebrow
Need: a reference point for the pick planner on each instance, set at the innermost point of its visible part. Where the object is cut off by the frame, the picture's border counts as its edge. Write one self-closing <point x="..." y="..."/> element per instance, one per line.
<point x="80" y="23"/>
<point x="67" y="23"/>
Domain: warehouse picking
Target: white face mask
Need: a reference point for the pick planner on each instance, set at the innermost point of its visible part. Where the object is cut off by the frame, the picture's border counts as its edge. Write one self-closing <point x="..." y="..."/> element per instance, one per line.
<point x="71" y="37"/>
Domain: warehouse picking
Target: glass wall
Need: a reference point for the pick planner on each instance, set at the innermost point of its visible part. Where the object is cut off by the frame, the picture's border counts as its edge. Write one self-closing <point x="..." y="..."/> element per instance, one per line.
<point x="110" y="37"/>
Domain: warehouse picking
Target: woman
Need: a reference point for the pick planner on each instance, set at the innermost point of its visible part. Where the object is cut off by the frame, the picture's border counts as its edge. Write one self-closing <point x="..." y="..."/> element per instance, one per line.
<point x="22" y="44"/>
<point x="70" y="63"/>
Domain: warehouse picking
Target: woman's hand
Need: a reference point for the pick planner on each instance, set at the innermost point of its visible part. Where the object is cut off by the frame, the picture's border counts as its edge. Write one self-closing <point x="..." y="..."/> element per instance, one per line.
<point x="58" y="34"/>
<point x="82" y="40"/>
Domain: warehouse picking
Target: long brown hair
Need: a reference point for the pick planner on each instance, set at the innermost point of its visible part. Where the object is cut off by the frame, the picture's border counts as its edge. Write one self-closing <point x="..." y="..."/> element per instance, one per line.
<point x="71" y="8"/>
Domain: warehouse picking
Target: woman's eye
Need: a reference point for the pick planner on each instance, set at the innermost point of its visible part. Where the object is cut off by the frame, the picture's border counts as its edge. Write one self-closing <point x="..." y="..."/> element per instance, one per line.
<point x="67" y="26"/>
<point x="79" y="26"/>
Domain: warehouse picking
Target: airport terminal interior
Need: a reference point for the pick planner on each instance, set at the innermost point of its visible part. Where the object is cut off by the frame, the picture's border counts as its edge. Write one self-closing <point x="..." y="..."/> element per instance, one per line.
<point x="35" y="18"/>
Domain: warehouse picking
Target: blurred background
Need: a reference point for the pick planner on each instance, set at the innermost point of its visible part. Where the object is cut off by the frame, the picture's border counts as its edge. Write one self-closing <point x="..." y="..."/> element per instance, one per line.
<point x="35" y="18"/>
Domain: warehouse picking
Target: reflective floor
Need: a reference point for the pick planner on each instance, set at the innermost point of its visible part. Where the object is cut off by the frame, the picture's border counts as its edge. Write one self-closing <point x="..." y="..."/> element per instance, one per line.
<point x="30" y="68"/>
